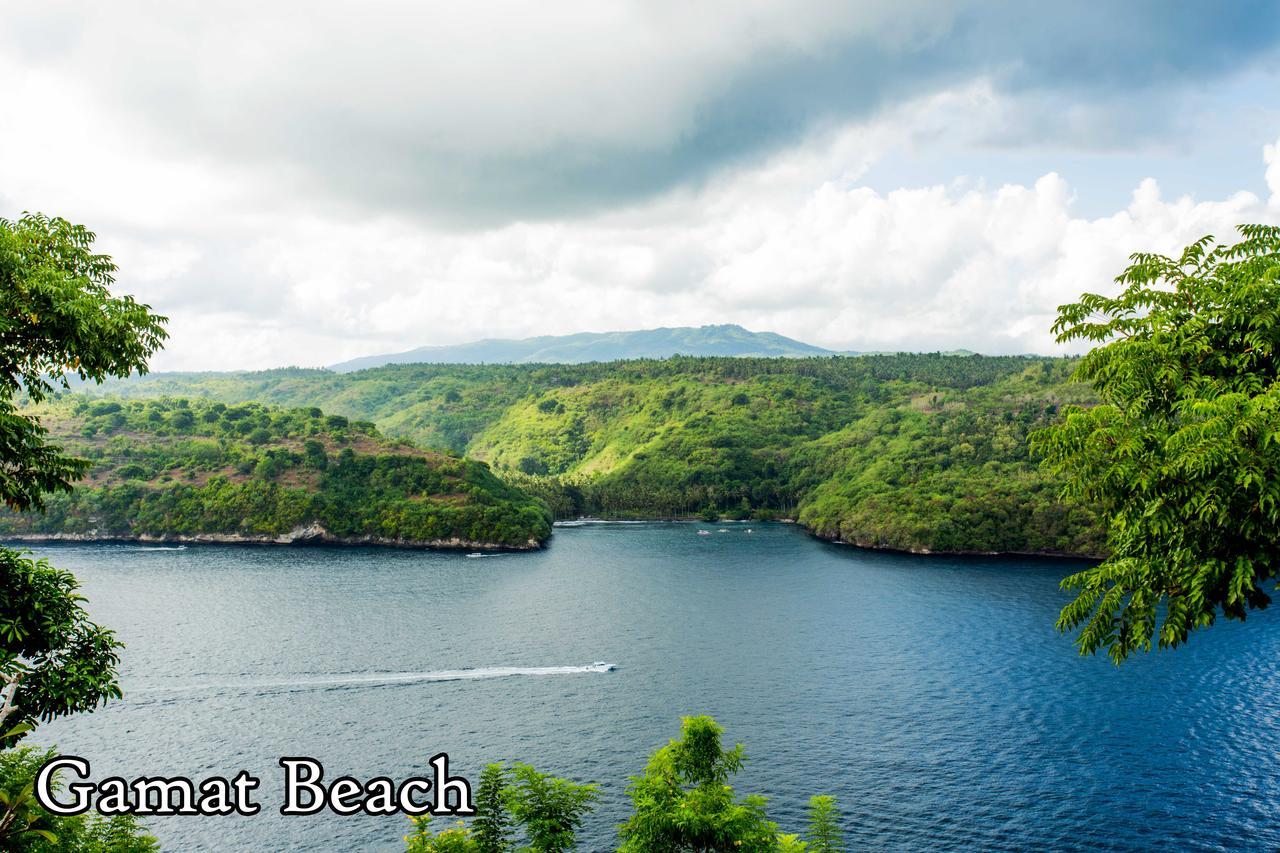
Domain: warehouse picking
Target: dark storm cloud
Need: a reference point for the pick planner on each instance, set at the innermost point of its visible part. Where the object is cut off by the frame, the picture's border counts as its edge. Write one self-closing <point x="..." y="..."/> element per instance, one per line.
<point x="518" y="114"/>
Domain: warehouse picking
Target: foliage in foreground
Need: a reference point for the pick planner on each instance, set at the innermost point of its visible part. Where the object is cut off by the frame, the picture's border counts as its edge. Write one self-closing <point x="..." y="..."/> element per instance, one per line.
<point x="1183" y="454"/>
<point x="824" y="835"/>
<point x="544" y="810"/>
<point x="682" y="802"/>
<point x="31" y="829"/>
<point x="53" y="660"/>
<point x="58" y="319"/>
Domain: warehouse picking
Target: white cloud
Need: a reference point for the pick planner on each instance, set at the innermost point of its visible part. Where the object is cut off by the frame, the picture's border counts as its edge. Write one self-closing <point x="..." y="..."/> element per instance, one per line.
<point x="777" y="248"/>
<point x="1271" y="154"/>
<point x="256" y="270"/>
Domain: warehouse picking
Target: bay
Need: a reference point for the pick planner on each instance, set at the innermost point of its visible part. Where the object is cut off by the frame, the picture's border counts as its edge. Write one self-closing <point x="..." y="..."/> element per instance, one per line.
<point x="930" y="695"/>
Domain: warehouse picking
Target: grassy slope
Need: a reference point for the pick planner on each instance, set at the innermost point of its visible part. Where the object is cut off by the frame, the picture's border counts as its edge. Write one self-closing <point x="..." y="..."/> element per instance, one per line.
<point x="920" y="452"/>
<point x="174" y="468"/>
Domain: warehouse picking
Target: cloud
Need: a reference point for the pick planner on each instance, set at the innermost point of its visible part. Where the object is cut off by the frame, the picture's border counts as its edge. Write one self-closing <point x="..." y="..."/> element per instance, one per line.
<point x="942" y="268"/>
<point x="301" y="183"/>
<point x="1271" y="154"/>
<point x="775" y="247"/>
<point x="484" y="113"/>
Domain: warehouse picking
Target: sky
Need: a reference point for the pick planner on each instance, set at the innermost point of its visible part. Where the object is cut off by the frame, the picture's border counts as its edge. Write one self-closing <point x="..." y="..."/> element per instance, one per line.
<point x="299" y="183"/>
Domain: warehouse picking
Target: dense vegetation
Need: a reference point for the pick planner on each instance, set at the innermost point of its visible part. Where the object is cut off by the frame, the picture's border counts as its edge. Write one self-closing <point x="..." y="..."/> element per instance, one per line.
<point x="917" y="452"/>
<point x="35" y="829"/>
<point x="174" y="468"/>
<point x="682" y="803"/>
<point x="1183" y="454"/>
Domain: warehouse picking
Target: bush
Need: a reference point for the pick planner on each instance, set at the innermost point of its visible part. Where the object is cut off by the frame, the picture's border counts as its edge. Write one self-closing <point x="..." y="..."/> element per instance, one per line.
<point x="34" y="830"/>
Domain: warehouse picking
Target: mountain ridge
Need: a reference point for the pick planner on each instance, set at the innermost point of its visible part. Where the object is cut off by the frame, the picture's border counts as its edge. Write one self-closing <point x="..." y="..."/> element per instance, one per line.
<point x="719" y="340"/>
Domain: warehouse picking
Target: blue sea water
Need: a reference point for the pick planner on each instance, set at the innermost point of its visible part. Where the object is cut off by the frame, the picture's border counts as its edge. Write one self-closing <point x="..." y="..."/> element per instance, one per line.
<point x="930" y="695"/>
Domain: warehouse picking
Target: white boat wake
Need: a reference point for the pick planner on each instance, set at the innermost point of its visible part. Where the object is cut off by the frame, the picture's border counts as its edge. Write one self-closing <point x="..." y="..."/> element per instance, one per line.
<point x="584" y="522"/>
<point x="374" y="679"/>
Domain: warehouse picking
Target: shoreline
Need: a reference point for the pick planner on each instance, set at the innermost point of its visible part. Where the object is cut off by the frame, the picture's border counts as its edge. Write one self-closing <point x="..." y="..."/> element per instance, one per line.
<point x="925" y="552"/>
<point x="314" y="535"/>
<point x="299" y="537"/>
<point x="830" y="540"/>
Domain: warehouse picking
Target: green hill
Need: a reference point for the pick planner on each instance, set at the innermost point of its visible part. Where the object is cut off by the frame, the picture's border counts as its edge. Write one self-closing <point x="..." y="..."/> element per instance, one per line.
<point x="916" y="452"/>
<point x="182" y="470"/>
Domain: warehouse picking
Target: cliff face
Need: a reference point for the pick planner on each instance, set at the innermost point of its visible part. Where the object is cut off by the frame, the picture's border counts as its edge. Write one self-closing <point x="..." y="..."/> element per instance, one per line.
<point x="193" y="471"/>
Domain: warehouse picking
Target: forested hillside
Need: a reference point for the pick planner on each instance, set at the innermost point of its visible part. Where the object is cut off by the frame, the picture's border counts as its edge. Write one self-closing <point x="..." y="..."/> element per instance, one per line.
<point x="918" y="452"/>
<point x="178" y="469"/>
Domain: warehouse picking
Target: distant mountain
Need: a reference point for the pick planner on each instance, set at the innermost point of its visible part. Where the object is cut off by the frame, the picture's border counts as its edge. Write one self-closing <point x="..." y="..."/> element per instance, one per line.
<point x="600" y="346"/>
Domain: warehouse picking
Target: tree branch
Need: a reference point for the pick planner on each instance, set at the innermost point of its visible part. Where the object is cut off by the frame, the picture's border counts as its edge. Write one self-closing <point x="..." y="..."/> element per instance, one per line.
<point x="9" y="691"/>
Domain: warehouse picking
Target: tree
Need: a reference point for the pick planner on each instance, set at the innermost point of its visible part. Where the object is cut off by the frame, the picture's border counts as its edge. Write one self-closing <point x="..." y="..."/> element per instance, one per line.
<point x="57" y="319"/>
<point x="824" y="835"/>
<point x="492" y="824"/>
<point x="550" y="809"/>
<point x="53" y="660"/>
<point x="315" y="454"/>
<point x="1183" y="454"/>
<point x="683" y="801"/>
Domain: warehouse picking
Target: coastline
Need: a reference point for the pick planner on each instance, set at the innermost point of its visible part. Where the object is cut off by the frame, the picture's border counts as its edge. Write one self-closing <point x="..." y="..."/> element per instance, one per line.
<point x="299" y="536"/>
<point x="831" y="540"/>
<point x="317" y="535"/>
<point x="926" y="552"/>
